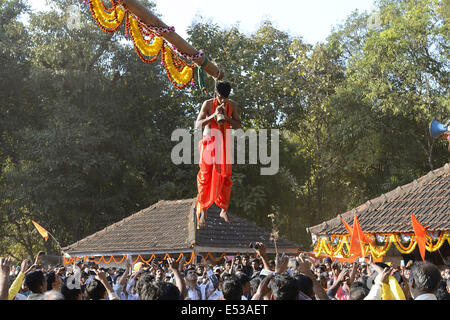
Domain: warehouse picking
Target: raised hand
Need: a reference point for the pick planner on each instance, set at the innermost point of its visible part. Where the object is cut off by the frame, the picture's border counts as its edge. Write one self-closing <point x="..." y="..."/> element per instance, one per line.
<point x="173" y="264"/>
<point x="281" y="264"/>
<point x="5" y="267"/>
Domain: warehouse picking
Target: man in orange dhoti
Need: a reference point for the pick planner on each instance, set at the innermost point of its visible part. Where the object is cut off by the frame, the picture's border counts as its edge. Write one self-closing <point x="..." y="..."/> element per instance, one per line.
<point x="214" y="182"/>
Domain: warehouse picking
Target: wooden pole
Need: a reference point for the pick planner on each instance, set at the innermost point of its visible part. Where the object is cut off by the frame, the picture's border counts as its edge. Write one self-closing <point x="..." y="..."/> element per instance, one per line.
<point x="149" y="18"/>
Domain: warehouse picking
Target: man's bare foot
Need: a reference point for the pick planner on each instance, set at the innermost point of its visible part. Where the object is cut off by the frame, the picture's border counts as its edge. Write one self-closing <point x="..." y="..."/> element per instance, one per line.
<point x="202" y="219"/>
<point x="224" y="216"/>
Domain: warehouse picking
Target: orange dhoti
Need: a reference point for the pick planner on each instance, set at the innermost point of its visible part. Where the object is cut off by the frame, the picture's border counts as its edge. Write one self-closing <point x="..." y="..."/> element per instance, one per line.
<point x="214" y="178"/>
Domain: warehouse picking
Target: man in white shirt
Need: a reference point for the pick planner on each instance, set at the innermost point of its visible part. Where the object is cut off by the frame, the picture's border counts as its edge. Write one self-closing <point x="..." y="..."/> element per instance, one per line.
<point x="203" y="291"/>
<point x="424" y="281"/>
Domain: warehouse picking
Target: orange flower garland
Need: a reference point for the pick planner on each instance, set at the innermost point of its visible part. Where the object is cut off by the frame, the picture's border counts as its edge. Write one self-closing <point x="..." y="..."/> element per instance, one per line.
<point x="109" y="20"/>
<point x="139" y="258"/>
<point x="179" y="72"/>
<point x="144" y="48"/>
<point x="440" y="242"/>
<point x="380" y="252"/>
<point x="322" y="245"/>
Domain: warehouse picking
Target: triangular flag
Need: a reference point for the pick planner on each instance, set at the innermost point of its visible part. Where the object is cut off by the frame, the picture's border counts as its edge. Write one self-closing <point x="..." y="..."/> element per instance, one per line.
<point x="357" y="243"/>
<point x="421" y="233"/>
<point x="347" y="226"/>
<point x="42" y="231"/>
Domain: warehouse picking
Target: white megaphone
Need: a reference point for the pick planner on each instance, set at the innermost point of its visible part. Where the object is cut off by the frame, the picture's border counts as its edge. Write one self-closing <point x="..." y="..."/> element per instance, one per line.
<point x="437" y="129"/>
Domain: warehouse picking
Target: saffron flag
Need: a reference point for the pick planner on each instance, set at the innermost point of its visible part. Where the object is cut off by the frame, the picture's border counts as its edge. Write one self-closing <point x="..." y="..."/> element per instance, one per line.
<point x="421" y="233"/>
<point x="364" y="238"/>
<point x="42" y="231"/>
<point x="357" y="243"/>
<point x="349" y="229"/>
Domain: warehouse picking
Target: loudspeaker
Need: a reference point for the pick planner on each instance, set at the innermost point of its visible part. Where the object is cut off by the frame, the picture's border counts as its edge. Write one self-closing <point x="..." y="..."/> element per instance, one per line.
<point x="437" y="129"/>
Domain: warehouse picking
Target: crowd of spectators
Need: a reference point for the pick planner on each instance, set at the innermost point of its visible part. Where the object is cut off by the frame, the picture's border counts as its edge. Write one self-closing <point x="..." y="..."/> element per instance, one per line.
<point x="241" y="278"/>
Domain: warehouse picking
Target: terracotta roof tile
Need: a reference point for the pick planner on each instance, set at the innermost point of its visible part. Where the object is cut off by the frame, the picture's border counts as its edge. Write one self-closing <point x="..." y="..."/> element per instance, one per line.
<point x="427" y="197"/>
<point x="170" y="226"/>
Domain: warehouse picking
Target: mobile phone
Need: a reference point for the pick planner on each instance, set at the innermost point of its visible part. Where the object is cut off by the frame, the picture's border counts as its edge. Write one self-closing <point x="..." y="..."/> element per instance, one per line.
<point x="402" y="263"/>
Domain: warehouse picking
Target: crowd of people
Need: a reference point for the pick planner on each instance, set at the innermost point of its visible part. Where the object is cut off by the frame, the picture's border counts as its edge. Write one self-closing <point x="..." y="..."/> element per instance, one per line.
<point x="241" y="278"/>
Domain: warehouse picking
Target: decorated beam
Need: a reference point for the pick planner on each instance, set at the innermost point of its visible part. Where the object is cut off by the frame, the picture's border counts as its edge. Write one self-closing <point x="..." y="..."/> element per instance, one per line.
<point x="153" y="38"/>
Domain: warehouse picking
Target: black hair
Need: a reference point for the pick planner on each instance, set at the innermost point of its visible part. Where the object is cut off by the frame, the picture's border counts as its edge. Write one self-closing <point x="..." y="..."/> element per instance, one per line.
<point x="70" y="294"/>
<point x="51" y="277"/>
<point x="254" y="284"/>
<point x="426" y="276"/>
<point x="284" y="287"/>
<point x="34" y="281"/>
<point x="243" y="277"/>
<point x="442" y="293"/>
<point x="358" y="293"/>
<point x="305" y="284"/>
<point x="223" y="88"/>
<point x="225" y="276"/>
<point x="158" y="290"/>
<point x="232" y="289"/>
<point x="143" y="280"/>
<point x="95" y="290"/>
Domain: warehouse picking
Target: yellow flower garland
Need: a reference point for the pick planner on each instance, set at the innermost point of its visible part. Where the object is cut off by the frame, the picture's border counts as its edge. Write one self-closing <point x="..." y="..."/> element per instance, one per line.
<point x="182" y="77"/>
<point x="108" y="21"/>
<point x="401" y="248"/>
<point x="323" y="246"/>
<point x="377" y="252"/>
<point x="433" y="248"/>
<point x="146" y="48"/>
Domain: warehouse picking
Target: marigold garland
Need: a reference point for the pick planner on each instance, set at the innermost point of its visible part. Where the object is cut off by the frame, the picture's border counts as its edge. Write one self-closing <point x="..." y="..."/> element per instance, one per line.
<point x="209" y="255"/>
<point x="440" y="242"/>
<point x="144" y="48"/>
<point x="381" y="252"/>
<point x="405" y="250"/>
<point x="322" y="245"/>
<point x="179" y="72"/>
<point x="109" y="20"/>
<point x="139" y="258"/>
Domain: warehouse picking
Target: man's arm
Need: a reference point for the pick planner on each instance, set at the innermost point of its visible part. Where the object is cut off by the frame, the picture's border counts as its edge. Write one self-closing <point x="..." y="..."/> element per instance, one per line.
<point x="261" y="251"/>
<point x="235" y="119"/>
<point x="101" y="276"/>
<point x="17" y="284"/>
<point x="203" y="118"/>
<point x="263" y="288"/>
<point x="173" y="266"/>
<point x="4" y="277"/>
<point x="305" y="268"/>
<point x="342" y="277"/>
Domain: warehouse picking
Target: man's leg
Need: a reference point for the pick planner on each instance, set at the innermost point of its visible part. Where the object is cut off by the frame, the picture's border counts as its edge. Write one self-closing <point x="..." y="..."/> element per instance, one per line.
<point x="223" y="198"/>
<point x="205" y="184"/>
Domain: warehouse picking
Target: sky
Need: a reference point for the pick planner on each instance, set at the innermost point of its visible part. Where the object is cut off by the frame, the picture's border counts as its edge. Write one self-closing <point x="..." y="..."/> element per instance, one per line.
<point x="311" y="19"/>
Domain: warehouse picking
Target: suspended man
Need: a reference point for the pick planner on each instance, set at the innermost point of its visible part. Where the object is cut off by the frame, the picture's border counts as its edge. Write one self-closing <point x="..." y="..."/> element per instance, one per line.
<point x="217" y="116"/>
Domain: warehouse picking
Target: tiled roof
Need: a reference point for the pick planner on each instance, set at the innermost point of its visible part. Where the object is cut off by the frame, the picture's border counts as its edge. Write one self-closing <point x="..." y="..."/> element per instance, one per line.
<point x="428" y="198"/>
<point x="238" y="234"/>
<point x="161" y="227"/>
<point x="170" y="226"/>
